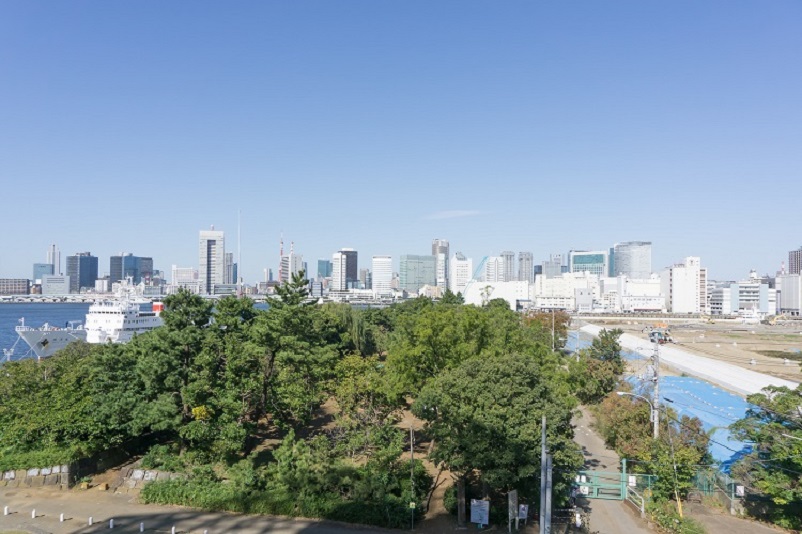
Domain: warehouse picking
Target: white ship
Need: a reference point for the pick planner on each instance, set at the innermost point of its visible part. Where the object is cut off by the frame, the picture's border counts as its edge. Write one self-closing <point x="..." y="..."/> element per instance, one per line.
<point x="116" y="321"/>
<point x="107" y="321"/>
<point x="46" y="340"/>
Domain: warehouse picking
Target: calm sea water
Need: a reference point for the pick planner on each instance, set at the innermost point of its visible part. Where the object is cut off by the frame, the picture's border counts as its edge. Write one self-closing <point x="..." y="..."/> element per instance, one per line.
<point x="57" y="314"/>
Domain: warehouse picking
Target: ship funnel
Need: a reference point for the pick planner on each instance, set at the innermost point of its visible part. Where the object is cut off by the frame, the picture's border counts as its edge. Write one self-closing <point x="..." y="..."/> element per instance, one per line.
<point x="158" y="307"/>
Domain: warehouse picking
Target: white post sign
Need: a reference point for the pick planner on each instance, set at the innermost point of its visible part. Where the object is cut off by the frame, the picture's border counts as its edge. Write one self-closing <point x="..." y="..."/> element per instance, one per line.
<point x="512" y="509"/>
<point x="480" y="512"/>
<point x="523" y="511"/>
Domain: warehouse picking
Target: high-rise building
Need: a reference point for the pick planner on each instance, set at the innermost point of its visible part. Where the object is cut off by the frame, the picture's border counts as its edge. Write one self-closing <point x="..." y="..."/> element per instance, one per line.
<point x="526" y="272"/>
<point x="795" y="261"/>
<point x="212" y="263"/>
<point x="82" y="270"/>
<point x="494" y="269"/>
<point x="40" y="270"/>
<point x="186" y="278"/>
<point x="508" y="270"/>
<point x="553" y="267"/>
<point x="323" y="269"/>
<point x="54" y="258"/>
<point x="460" y="272"/>
<point x="339" y="267"/>
<point x="382" y="270"/>
<point x="127" y="265"/>
<point x="351" y="267"/>
<point x="632" y="258"/>
<point x="440" y="250"/>
<point x="365" y="279"/>
<point x="292" y="263"/>
<point x="417" y="271"/>
<point x="593" y="262"/>
<point x="684" y="286"/>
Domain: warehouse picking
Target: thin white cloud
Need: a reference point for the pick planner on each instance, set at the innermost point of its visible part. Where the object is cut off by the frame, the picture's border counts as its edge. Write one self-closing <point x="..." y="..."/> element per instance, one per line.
<point x="452" y="214"/>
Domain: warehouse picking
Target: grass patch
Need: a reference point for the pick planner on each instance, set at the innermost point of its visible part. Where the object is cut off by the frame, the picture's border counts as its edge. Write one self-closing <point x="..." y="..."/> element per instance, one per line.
<point x="795" y="356"/>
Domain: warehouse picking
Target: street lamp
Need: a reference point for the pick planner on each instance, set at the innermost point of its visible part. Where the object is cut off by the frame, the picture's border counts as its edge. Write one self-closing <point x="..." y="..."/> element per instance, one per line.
<point x="655" y="418"/>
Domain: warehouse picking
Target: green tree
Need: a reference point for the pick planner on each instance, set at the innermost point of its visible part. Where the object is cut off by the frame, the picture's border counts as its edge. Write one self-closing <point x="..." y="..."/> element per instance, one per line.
<point x="595" y="371"/>
<point x="774" y="424"/>
<point x="485" y="417"/>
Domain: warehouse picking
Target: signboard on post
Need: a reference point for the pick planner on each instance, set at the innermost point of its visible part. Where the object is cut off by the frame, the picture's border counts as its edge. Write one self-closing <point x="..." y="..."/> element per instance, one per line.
<point x="480" y="512"/>
<point x="523" y="511"/>
<point x="512" y="509"/>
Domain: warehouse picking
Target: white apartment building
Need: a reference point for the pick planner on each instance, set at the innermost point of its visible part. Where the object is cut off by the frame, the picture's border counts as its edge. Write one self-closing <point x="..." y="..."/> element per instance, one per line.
<point x="339" y="262"/>
<point x="494" y="270"/>
<point x="750" y="297"/>
<point x="562" y="292"/>
<point x="684" y="287"/>
<point x="212" y="259"/>
<point x="461" y="271"/>
<point x="382" y="268"/>
<point x="624" y="294"/>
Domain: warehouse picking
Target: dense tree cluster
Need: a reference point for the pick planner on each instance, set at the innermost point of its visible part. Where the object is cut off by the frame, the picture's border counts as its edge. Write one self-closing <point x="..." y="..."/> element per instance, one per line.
<point x="774" y="467"/>
<point x="235" y="396"/>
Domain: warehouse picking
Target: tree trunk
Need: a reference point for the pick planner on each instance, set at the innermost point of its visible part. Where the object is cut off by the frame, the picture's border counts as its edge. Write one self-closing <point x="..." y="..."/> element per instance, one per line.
<point x="461" y="502"/>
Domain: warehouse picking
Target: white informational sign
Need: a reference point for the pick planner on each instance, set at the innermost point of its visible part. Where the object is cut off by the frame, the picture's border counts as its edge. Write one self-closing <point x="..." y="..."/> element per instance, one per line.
<point x="523" y="511"/>
<point x="633" y="481"/>
<point x="512" y="504"/>
<point x="584" y="490"/>
<point x="480" y="512"/>
<point x="739" y="491"/>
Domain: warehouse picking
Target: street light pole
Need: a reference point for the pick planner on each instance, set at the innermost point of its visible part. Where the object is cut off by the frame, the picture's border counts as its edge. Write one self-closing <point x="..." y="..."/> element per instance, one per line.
<point x="656" y="397"/>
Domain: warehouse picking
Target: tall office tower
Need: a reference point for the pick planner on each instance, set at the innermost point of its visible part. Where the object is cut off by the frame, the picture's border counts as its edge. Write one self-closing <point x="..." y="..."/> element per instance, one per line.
<point x="382" y="267"/>
<point x="494" y="269"/>
<point x="552" y="267"/>
<point x="685" y="287"/>
<point x="460" y="272"/>
<point x="40" y="270"/>
<point x="593" y="262"/>
<point x="82" y="270"/>
<point x="212" y="262"/>
<point x="365" y="278"/>
<point x="229" y="268"/>
<point x="508" y="257"/>
<point x="54" y="258"/>
<point x="440" y="250"/>
<point x="417" y="271"/>
<point x="339" y="268"/>
<point x="146" y="272"/>
<point x="292" y="263"/>
<point x="323" y="269"/>
<point x="127" y="265"/>
<point x="351" y="270"/>
<point x="526" y="272"/>
<point x="795" y="261"/>
<point x="633" y="259"/>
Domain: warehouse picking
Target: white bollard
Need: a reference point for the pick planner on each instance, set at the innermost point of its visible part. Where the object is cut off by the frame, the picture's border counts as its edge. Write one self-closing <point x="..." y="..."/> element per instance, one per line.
<point x="111" y="523"/>
<point x="33" y="513"/>
<point x="142" y="527"/>
<point x="172" y="531"/>
<point x="5" y="510"/>
<point x="90" y="521"/>
<point x="61" y="518"/>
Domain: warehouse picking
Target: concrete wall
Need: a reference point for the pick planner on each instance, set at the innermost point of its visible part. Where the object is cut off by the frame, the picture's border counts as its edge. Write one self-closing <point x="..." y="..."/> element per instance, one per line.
<point x="134" y="478"/>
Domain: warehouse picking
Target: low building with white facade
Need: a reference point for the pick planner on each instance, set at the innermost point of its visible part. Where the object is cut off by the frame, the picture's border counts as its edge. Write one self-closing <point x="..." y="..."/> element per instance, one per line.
<point x="632" y="295"/>
<point x="789" y="287"/>
<point x="517" y="294"/>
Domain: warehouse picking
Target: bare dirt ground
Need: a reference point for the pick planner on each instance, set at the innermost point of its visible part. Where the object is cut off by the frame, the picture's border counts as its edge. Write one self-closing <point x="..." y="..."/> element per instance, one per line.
<point x="731" y="341"/>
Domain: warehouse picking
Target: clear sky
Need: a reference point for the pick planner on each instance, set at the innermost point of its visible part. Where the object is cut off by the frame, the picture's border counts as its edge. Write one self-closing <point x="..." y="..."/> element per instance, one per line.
<point x="520" y="125"/>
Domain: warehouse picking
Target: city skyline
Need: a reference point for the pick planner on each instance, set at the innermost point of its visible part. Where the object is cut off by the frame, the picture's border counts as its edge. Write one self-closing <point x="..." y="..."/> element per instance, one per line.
<point x="523" y="127"/>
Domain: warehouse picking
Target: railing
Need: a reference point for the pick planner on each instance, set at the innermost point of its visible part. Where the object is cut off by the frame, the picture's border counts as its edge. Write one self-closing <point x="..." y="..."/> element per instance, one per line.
<point x="637" y="500"/>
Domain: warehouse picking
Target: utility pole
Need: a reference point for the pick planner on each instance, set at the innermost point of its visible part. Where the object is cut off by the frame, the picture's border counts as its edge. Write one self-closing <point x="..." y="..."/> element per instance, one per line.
<point x="552" y="330"/>
<point x="656" y="398"/>
<point x="545" y="483"/>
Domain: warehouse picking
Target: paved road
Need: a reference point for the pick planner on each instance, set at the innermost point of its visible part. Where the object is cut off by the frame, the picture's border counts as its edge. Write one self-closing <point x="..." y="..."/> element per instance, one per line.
<point x="606" y="517"/>
<point x="77" y="506"/>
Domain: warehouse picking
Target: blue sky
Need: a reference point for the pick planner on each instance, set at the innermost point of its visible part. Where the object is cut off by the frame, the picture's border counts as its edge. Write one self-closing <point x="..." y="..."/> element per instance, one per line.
<point x="130" y="126"/>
